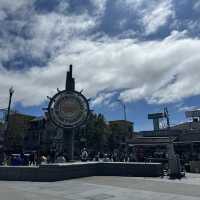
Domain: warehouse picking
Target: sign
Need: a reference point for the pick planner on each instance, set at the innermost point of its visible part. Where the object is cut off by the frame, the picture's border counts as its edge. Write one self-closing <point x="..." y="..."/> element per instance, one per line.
<point x="155" y="115"/>
<point x="193" y="113"/>
<point x="68" y="109"/>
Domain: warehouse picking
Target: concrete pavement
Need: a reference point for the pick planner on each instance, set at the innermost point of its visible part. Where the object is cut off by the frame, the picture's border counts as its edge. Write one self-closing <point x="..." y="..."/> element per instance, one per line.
<point x="108" y="188"/>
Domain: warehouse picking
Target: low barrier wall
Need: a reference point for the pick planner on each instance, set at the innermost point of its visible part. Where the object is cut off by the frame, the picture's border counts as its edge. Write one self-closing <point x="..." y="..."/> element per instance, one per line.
<point x="195" y="166"/>
<point x="131" y="169"/>
<point x="58" y="172"/>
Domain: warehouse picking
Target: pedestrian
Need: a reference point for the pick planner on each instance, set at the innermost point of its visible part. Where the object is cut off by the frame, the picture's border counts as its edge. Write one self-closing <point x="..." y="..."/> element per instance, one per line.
<point x="60" y="159"/>
<point x="43" y="159"/>
<point x="84" y="155"/>
<point x="32" y="159"/>
<point x="1" y="157"/>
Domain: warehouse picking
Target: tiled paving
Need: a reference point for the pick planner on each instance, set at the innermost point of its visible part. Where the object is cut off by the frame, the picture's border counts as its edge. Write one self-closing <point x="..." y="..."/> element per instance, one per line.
<point x="104" y="188"/>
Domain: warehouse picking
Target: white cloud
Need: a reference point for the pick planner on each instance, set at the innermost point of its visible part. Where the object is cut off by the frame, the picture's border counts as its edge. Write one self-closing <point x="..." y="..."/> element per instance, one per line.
<point x="157" y="16"/>
<point x="196" y="6"/>
<point x="53" y="31"/>
<point x="12" y="5"/>
<point x="187" y="108"/>
<point x="159" y="71"/>
<point x="103" y="98"/>
<point x="62" y="6"/>
<point x="47" y="33"/>
<point x="100" y="6"/>
<point x="152" y="14"/>
<point x="132" y="3"/>
<point x="134" y="94"/>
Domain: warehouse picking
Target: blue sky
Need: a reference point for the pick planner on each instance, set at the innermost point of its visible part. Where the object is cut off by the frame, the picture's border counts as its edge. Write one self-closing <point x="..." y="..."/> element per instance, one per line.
<point x="143" y="52"/>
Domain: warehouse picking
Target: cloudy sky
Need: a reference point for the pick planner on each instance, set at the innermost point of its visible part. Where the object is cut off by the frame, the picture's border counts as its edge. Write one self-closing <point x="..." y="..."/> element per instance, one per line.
<point x="144" y="52"/>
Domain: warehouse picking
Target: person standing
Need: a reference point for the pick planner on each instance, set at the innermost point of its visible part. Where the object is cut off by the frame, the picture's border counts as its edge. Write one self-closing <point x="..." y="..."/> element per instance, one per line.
<point x="84" y="155"/>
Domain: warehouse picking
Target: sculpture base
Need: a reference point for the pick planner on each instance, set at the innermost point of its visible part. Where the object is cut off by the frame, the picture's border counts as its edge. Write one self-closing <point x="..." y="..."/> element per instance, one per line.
<point x="69" y="144"/>
<point x="64" y="171"/>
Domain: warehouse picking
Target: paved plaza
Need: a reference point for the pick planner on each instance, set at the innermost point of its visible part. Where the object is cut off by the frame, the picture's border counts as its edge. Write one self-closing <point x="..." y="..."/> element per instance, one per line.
<point x="104" y="188"/>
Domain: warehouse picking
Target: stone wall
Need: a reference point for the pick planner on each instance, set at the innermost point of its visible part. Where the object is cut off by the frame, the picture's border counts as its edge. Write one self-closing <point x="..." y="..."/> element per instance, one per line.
<point x="195" y="166"/>
<point x="57" y="172"/>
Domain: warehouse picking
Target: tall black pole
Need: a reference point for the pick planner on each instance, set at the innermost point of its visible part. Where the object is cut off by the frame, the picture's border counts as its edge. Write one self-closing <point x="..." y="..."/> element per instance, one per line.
<point x="11" y="91"/>
<point x="70" y="82"/>
<point x="124" y="112"/>
<point x="69" y="134"/>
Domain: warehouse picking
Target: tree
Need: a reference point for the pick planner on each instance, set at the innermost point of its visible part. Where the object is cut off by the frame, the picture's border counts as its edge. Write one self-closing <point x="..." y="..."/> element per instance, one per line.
<point x="97" y="133"/>
<point x="19" y="124"/>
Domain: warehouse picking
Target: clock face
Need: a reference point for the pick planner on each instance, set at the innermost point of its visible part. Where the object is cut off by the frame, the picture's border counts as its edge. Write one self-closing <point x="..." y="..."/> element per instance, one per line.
<point x="68" y="109"/>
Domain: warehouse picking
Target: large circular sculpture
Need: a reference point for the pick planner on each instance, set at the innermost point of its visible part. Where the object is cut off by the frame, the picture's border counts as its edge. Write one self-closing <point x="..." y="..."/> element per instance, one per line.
<point x="68" y="109"/>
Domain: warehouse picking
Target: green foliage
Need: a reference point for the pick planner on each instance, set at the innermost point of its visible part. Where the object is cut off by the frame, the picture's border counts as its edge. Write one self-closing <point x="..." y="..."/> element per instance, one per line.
<point x="18" y="127"/>
<point x="97" y="132"/>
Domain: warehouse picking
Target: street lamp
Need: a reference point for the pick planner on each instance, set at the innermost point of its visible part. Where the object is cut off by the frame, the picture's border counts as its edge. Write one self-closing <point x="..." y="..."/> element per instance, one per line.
<point x="124" y="108"/>
<point x="11" y="91"/>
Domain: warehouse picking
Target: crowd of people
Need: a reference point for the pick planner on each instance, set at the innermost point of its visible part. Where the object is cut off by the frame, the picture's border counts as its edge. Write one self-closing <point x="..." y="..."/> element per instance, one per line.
<point x="37" y="158"/>
<point x="31" y="159"/>
<point x="115" y="156"/>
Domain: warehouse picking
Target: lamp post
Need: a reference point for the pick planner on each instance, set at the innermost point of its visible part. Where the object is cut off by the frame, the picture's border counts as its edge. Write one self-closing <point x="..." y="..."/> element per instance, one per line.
<point x="11" y="91"/>
<point x="124" y="108"/>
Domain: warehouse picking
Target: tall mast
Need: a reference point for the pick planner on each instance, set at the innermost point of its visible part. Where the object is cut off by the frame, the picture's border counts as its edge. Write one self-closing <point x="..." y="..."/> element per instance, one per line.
<point x="70" y="82"/>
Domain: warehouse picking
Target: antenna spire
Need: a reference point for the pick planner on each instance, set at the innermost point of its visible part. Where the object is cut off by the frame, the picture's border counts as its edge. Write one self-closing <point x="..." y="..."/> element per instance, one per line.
<point x="70" y="82"/>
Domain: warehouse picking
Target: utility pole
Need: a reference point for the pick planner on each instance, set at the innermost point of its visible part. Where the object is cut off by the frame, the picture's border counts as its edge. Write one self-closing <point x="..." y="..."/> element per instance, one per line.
<point x="11" y="91"/>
